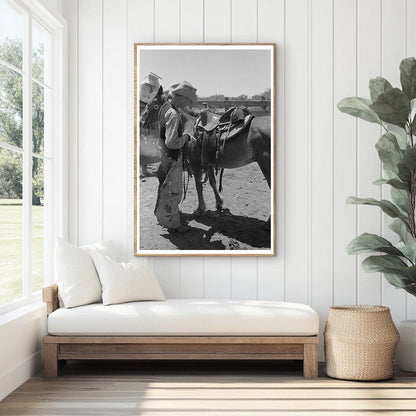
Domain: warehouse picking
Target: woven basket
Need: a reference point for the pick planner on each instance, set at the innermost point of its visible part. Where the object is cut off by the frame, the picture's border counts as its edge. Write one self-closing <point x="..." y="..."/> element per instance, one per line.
<point x="360" y="342"/>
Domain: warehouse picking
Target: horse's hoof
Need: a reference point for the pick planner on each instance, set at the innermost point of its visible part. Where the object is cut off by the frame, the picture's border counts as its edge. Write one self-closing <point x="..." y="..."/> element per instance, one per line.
<point x="219" y="207"/>
<point x="198" y="212"/>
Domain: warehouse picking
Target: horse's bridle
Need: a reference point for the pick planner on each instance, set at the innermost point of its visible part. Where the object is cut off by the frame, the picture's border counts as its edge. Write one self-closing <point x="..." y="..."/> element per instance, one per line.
<point x="152" y="112"/>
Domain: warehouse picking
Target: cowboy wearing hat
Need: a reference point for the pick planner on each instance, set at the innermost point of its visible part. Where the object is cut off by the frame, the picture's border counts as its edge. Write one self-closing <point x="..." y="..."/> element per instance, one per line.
<point x="172" y="138"/>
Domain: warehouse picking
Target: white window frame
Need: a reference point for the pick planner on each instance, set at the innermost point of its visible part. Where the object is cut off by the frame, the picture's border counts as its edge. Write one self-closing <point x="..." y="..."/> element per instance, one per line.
<point x="58" y="211"/>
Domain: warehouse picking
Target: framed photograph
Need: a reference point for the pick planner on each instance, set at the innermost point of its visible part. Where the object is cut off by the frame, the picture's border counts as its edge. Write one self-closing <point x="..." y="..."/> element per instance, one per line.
<point x="204" y="131"/>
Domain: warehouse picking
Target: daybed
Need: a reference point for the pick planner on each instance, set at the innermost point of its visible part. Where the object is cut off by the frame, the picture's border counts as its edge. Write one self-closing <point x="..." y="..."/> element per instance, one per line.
<point x="181" y="329"/>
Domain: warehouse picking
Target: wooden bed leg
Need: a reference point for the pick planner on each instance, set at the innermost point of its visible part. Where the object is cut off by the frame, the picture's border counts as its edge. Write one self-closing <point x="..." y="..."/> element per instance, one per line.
<point x="310" y="360"/>
<point x="50" y="360"/>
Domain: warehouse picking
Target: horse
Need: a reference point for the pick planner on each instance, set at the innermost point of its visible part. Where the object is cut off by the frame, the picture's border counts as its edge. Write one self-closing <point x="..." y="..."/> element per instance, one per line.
<point x="252" y="144"/>
<point x="149" y="131"/>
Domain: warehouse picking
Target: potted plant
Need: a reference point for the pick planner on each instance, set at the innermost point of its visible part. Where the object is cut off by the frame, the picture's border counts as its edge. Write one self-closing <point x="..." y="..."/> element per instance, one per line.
<point x="394" y="109"/>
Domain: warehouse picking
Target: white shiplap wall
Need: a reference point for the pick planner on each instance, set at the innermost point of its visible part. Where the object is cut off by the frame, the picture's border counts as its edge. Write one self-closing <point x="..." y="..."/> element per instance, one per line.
<point x="326" y="50"/>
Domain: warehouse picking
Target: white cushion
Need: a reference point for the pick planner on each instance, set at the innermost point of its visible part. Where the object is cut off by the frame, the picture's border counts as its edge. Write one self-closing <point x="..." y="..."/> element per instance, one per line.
<point x="75" y="273"/>
<point x="126" y="282"/>
<point x="187" y="317"/>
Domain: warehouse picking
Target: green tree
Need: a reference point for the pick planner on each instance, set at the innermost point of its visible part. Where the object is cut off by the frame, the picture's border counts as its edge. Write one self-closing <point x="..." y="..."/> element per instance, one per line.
<point x="10" y="175"/>
<point x="11" y="116"/>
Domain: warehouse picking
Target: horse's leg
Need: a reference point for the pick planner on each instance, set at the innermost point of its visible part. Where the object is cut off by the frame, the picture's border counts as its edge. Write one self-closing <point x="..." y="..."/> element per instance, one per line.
<point x="213" y="183"/>
<point x="264" y="164"/>
<point x="197" y="171"/>
<point x="263" y="154"/>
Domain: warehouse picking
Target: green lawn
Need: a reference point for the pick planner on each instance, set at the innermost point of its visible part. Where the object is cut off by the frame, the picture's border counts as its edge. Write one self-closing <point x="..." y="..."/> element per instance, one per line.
<point x="11" y="249"/>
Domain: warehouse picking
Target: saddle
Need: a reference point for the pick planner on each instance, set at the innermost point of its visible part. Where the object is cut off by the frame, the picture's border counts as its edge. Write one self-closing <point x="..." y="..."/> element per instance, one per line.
<point x="214" y="130"/>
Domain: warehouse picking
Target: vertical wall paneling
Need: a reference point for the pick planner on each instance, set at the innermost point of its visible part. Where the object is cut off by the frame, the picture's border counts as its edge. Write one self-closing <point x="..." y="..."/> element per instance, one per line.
<point x="167" y="21"/>
<point x="168" y="274"/>
<point x="217" y="278"/>
<point x="271" y="29"/>
<point x="192" y="278"/>
<point x="244" y="278"/>
<point x="167" y="30"/>
<point x="345" y="151"/>
<point x="217" y="26"/>
<point x="321" y="150"/>
<point x="217" y="21"/>
<point x="70" y="11"/>
<point x="411" y="51"/>
<point x="393" y="51"/>
<point x="90" y="128"/>
<point x="369" y="167"/>
<point x="326" y="50"/>
<point x="244" y="29"/>
<point x="244" y="21"/>
<point x="140" y="23"/>
<point x="192" y="31"/>
<point x="192" y="21"/>
<point x="114" y="124"/>
<point x="296" y="152"/>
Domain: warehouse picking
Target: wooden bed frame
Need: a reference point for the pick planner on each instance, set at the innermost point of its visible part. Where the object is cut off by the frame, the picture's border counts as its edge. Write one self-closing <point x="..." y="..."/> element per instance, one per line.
<point x="58" y="349"/>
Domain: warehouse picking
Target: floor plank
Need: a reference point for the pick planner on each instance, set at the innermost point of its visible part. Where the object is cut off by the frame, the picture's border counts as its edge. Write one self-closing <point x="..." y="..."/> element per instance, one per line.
<point x="226" y="389"/>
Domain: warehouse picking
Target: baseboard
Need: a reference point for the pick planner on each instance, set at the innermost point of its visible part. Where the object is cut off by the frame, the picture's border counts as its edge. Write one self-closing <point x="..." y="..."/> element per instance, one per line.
<point x="10" y="380"/>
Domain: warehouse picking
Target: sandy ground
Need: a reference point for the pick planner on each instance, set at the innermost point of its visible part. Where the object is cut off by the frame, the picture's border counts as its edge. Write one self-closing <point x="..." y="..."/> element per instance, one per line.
<point x="240" y="225"/>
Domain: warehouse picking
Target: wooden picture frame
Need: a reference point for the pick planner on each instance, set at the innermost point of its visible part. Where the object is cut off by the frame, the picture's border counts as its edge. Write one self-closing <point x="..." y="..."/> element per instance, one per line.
<point x="224" y="76"/>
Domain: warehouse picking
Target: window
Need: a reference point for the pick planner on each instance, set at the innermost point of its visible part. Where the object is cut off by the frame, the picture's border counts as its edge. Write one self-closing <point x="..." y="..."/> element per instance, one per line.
<point x="31" y="141"/>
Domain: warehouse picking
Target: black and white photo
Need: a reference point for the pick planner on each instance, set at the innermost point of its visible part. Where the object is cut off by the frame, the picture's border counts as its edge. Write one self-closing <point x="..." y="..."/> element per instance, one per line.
<point x="204" y="149"/>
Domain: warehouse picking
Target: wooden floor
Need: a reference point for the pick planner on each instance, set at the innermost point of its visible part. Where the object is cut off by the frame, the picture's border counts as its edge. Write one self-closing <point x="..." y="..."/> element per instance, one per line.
<point x="223" y="389"/>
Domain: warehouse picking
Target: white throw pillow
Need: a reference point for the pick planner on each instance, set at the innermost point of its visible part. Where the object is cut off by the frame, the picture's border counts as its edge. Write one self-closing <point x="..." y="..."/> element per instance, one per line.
<point x="75" y="273"/>
<point x="126" y="282"/>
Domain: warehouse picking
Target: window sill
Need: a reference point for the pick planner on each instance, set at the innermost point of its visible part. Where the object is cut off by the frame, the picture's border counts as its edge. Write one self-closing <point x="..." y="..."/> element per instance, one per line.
<point x="32" y="307"/>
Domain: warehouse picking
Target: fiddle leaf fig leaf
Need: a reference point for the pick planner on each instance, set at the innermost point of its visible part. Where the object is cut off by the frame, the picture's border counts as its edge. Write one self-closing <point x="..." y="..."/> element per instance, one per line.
<point x="380" y="182"/>
<point x="378" y="86"/>
<point x="412" y="116"/>
<point x="400" y="228"/>
<point x="414" y="126"/>
<point x="359" y="107"/>
<point x="390" y="173"/>
<point x="400" y="198"/>
<point x="396" y="183"/>
<point x="389" y="151"/>
<point x="388" y="207"/>
<point x="404" y="173"/>
<point x="402" y="139"/>
<point x="397" y="280"/>
<point x="408" y="249"/>
<point x="395" y="270"/>
<point x="411" y="289"/>
<point x="392" y="107"/>
<point x="408" y="77"/>
<point x="366" y="243"/>
<point x="412" y="110"/>
<point x="410" y="158"/>
<point x="381" y="263"/>
<point x="410" y="272"/>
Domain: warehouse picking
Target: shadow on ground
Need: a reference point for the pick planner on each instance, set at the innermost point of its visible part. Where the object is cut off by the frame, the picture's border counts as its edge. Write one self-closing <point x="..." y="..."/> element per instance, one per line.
<point x="221" y="230"/>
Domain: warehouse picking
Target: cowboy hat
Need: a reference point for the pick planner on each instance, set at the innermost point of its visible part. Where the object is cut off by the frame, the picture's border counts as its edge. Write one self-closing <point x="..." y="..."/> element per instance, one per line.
<point x="186" y="90"/>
